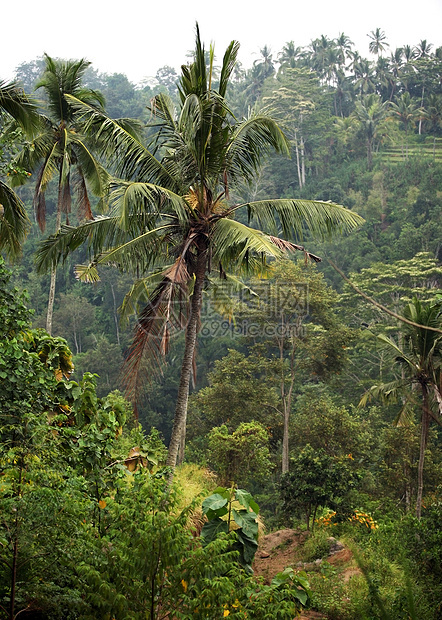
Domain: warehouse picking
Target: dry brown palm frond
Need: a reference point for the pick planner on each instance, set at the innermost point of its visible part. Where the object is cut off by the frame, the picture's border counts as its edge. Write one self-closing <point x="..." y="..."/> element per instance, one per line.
<point x="288" y="246"/>
<point x="40" y="202"/>
<point x="177" y="273"/>
<point x="165" y="314"/>
<point x="66" y="200"/>
<point x="84" y="210"/>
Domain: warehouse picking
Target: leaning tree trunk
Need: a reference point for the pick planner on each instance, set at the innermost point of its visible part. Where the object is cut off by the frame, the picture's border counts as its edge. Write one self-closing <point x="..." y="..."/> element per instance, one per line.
<point x="179" y="422"/>
<point x="425" y="424"/>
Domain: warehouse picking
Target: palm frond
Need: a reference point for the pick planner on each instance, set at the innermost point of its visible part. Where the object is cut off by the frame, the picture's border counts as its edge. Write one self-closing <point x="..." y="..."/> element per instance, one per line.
<point x="399" y="354"/>
<point x="140" y="253"/>
<point x="139" y="294"/>
<point x="288" y="246"/>
<point x="251" y="139"/>
<point x="385" y="392"/>
<point x="229" y="62"/>
<point x="96" y="175"/>
<point x="19" y="106"/>
<point x="119" y="143"/>
<point x="129" y="198"/>
<point x="14" y="222"/>
<point x="297" y="217"/>
<point x="165" y="313"/>
<point x="234" y="242"/>
<point x="406" y="415"/>
<point x="61" y="78"/>
<point x="87" y="273"/>
<point x="32" y="153"/>
<point x="84" y="210"/>
<point x="101" y="233"/>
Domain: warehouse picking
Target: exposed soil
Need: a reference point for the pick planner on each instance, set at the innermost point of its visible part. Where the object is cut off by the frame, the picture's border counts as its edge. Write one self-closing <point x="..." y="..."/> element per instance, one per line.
<point x="280" y="549"/>
<point x="276" y="551"/>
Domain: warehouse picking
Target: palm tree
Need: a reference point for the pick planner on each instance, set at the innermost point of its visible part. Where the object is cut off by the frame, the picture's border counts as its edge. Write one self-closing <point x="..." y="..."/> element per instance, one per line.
<point x="14" y="221"/>
<point x="422" y="49"/>
<point x="344" y="45"/>
<point x="59" y="149"/>
<point x="396" y="64"/>
<point x="378" y="43"/>
<point x="432" y="114"/>
<point x="172" y="217"/>
<point x="371" y="113"/>
<point x="420" y="358"/>
<point x="405" y="111"/>
<point x="365" y="80"/>
<point x="289" y="55"/>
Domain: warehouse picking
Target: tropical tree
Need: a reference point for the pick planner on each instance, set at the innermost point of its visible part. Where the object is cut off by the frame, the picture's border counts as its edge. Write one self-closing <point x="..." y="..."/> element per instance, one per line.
<point x="422" y="49"/>
<point x="344" y="45"/>
<point x="14" y="222"/>
<point x="432" y="115"/>
<point x="60" y="149"/>
<point x="289" y="56"/>
<point x="405" y="111"/>
<point x="365" y="80"/>
<point x="172" y="218"/>
<point x="420" y="357"/>
<point x="378" y="42"/>
<point x="371" y="112"/>
<point x="396" y="66"/>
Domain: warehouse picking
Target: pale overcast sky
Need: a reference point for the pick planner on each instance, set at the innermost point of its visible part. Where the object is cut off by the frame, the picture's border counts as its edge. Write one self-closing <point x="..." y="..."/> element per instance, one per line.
<point x="137" y="38"/>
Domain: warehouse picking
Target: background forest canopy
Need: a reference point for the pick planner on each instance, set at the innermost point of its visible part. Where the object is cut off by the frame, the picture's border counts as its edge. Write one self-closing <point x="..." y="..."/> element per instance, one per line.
<point x="352" y="122"/>
<point x="363" y="132"/>
<point x="324" y="407"/>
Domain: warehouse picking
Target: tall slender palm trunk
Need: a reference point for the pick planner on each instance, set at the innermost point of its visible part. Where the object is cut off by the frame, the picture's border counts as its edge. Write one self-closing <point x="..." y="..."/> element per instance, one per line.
<point x="425" y="424"/>
<point x="51" y="299"/>
<point x="180" y="418"/>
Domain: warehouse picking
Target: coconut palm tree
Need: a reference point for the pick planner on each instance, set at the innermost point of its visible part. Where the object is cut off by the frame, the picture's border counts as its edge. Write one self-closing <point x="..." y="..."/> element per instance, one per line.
<point x="420" y="357"/>
<point x="173" y="220"/>
<point x="344" y="45"/>
<point x="289" y="56"/>
<point x="378" y="43"/>
<point x="60" y="151"/>
<point x="405" y="111"/>
<point x="422" y="49"/>
<point x="371" y="112"/>
<point x="14" y="222"/>
<point x="432" y="114"/>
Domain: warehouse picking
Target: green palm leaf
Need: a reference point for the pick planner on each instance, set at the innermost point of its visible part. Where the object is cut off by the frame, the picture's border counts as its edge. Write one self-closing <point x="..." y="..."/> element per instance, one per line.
<point x="19" y="106"/>
<point x="233" y="241"/>
<point x="296" y="217"/>
<point x="14" y="222"/>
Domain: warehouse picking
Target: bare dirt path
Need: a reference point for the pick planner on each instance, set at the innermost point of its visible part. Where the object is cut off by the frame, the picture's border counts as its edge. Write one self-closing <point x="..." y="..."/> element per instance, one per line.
<point x="280" y="549"/>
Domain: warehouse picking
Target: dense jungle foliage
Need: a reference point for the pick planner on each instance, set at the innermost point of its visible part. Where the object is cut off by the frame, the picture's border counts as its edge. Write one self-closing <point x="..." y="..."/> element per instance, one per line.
<point x="316" y="384"/>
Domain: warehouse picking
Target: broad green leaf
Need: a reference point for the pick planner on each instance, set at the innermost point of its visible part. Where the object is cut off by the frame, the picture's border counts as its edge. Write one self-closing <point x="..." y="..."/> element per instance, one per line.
<point x="215" y="503"/>
<point x="212" y="529"/>
<point x="246" y="500"/>
<point x="283" y="577"/>
<point x="248" y="546"/>
<point x="247" y="522"/>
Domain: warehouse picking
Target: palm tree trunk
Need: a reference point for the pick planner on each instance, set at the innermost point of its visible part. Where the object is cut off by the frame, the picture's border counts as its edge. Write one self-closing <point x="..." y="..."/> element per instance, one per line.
<point x="287" y="406"/>
<point x="179" y="422"/>
<point x="423" y="446"/>
<point x="302" y="161"/>
<point x="51" y="299"/>
<point x="285" y="441"/>
<point x="298" y="163"/>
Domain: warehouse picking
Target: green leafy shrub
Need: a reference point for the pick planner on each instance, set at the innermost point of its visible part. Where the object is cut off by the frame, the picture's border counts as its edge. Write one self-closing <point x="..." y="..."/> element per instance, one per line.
<point x="234" y="510"/>
<point x="316" y="546"/>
